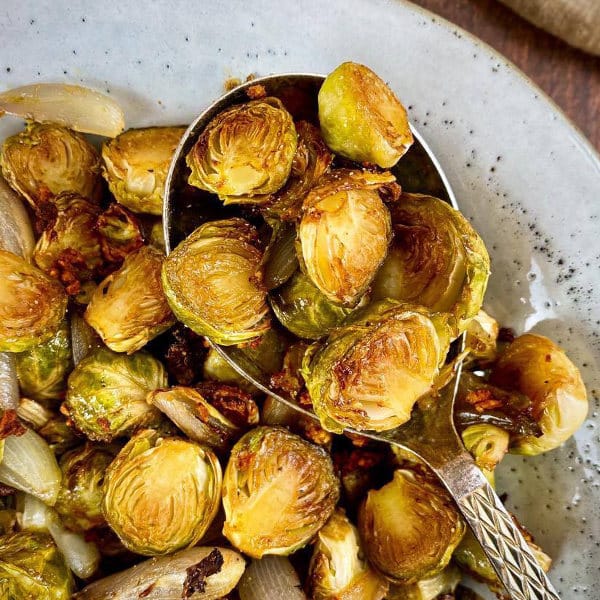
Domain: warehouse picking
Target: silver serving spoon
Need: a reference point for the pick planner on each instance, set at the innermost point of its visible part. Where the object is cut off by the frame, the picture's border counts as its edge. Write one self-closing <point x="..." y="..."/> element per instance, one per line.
<point x="430" y="434"/>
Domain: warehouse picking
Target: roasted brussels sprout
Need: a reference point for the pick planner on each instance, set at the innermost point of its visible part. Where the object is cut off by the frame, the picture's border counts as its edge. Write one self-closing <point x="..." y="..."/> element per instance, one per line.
<point x="129" y="307"/>
<point x="361" y="118"/>
<point x="216" y="368"/>
<point x="80" y="497"/>
<point x="200" y="573"/>
<point x="59" y="436"/>
<point x="370" y="373"/>
<point x="32" y="305"/>
<point x="344" y="233"/>
<point x="32" y="567"/>
<point x="196" y="417"/>
<point x="120" y="233"/>
<point x="304" y="310"/>
<point x="43" y="370"/>
<point x="106" y="393"/>
<point x="69" y="248"/>
<point x="46" y="159"/>
<point x="136" y="164"/>
<point x="338" y="570"/>
<point x="436" y="260"/>
<point x="410" y="527"/>
<point x="278" y="491"/>
<point x="438" y="587"/>
<point x="487" y="444"/>
<point x="161" y="494"/>
<point x="482" y="337"/>
<point x="245" y="152"/>
<point x="311" y="161"/>
<point x="535" y="366"/>
<point x="212" y="282"/>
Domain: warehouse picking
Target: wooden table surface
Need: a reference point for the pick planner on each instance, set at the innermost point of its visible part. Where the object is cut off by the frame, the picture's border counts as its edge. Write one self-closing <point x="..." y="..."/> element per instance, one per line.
<point x="569" y="76"/>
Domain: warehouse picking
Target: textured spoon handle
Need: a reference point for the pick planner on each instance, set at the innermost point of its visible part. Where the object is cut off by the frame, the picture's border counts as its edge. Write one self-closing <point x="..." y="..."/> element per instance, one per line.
<point x="504" y="545"/>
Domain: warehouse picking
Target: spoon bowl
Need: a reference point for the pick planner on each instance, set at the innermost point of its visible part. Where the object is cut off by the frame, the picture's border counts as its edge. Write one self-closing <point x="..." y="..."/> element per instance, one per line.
<point x="430" y="434"/>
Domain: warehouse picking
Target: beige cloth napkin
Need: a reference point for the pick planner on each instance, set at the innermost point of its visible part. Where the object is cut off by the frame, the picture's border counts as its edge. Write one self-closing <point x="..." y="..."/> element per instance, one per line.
<point x="575" y="21"/>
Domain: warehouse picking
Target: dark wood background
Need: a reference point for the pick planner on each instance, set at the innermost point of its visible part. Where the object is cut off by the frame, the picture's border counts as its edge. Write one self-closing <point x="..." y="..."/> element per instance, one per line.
<point x="569" y="76"/>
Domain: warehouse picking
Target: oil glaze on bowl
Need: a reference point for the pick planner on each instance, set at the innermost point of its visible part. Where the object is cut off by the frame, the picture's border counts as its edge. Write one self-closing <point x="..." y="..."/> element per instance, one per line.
<point x="521" y="172"/>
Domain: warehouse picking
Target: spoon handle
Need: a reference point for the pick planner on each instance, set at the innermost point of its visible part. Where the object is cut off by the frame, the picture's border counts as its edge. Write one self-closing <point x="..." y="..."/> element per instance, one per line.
<point x="506" y="548"/>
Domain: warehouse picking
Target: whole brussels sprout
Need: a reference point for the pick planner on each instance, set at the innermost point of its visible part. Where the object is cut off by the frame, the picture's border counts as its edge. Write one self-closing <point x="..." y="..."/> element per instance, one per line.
<point x="370" y="372"/>
<point x="410" y="527"/>
<point x="69" y="248"/>
<point x="212" y="282"/>
<point x="338" y="570"/>
<point x="32" y="567"/>
<point x="43" y="370"/>
<point x="344" y="233"/>
<point x="304" y="310"/>
<point x="311" y="161"/>
<point x="278" y="491"/>
<point x="32" y="305"/>
<point x="46" y="159"/>
<point x="535" y="366"/>
<point x="106" y="393"/>
<point x="136" y="164"/>
<point x="80" y="496"/>
<point x="361" y="118"/>
<point x="487" y="444"/>
<point x="161" y="494"/>
<point x="129" y="308"/>
<point x="245" y="152"/>
<point x="436" y="260"/>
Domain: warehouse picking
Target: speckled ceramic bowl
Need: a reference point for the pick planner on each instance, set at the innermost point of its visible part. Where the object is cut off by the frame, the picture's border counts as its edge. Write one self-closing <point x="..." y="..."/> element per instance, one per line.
<point x="520" y="170"/>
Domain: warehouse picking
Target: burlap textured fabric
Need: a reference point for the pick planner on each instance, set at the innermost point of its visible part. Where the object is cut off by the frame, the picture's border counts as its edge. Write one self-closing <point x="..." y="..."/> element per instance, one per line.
<point x="575" y="21"/>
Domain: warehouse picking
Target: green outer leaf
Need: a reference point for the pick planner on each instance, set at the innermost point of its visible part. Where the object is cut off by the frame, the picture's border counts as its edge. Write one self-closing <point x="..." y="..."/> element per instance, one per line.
<point x="106" y="395"/>
<point x="43" y="370"/>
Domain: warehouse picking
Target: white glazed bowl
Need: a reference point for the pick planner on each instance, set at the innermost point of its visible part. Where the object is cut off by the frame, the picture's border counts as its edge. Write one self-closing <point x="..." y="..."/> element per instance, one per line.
<point x="520" y="170"/>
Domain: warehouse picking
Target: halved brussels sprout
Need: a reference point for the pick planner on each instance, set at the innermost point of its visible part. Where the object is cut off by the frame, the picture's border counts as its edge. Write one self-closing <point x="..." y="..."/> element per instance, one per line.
<point x="482" y="338"/>
<point x="245" y="152"/>
<point x="304" y="310"/>
<point x="106" y="394"/>
<point x="212" y="282"/>
<point x="120" y="233"/>
<point x="195" y="416"/>
<point x="436" y="260"/>
<point x="437" y="587"/>
<point x="344" y="233"/>
<point x="80" y="497"/>
<point x="311" y="161"/>
<point x="32" y="305"/>
<point x="338" y="570"/>
<point x="43" y="370"/>
<point x="129" y="308"/>
<point x="136" y="164"/>
<point x="535" y="366"/>
<point x="46" y="159"/>
<point x="410" y="527"/>
<point x="69" y="248"/>
<point x="361" y="118"/>
<point x="487" y="444"/>
<point x="32" y="567"/>
<point x="370" y="373"/>
<point x="278" y="491"/>
<point x="161" y="494"/>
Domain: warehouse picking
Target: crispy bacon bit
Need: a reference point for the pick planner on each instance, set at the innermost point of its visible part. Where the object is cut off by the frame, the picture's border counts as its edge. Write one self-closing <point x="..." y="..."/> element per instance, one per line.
<point x="6" y="490"/>
<point x="68" y="268"/>
<point x="45" y="215"/>
<point x="315" y="433"/>
<point x="483" y="399"/>
<point x="256" y="92"/>
<point x="185" y="355"/>
<point x="235" y="404"/>
<point x="10" y="424"/>
<point x="357" y="458"/>
<point x="196" y="575"/>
